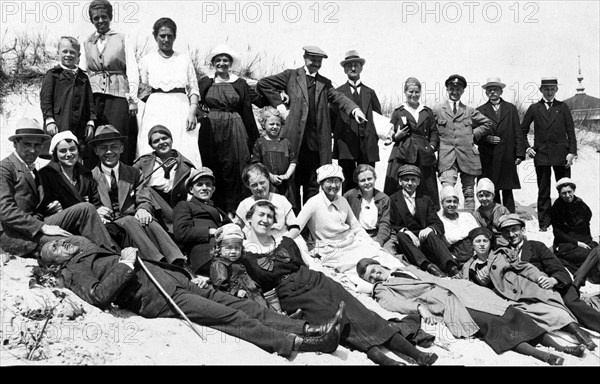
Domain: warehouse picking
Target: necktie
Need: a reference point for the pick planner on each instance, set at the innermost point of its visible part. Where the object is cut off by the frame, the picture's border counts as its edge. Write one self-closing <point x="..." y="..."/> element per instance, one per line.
<point x="36" y="175"/>
<point x="355" y="94"/>
<point x="310" y="80"/>
<point x="454" y="109"/>
<point x="549" y="104"/>
<point x="114" y="192"/>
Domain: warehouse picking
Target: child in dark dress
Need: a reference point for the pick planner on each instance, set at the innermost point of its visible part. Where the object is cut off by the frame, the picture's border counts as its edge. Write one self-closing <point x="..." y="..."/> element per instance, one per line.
<point x="229" y="275"/>
<point x="276" y="154"/>
<point x="66" y="97"/>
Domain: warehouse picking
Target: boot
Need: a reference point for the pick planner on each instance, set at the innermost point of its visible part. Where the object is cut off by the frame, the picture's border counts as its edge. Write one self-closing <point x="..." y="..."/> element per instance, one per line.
<point x="327" y="343"/>
<point x="319" y="330"/>
<point x="575" y="351"/>
<point x="435" y="271"/>
<point x="554" y="360"/>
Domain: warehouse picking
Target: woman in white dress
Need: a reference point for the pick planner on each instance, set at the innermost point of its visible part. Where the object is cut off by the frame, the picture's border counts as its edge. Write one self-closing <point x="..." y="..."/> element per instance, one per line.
<point x="174" y="94"/>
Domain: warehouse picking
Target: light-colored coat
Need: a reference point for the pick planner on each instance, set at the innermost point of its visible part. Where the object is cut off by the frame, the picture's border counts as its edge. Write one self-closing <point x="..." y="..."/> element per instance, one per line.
<point x="447" y="298"/>
<point x="458" y="134"/>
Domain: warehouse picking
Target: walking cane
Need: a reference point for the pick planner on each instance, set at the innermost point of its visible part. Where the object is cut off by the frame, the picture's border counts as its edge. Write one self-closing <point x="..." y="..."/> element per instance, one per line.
<point x="169" y="299"/>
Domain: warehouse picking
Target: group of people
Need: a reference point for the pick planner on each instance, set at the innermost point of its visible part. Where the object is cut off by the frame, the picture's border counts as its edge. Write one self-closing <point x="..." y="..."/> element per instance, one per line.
<point x="253" y="232"/>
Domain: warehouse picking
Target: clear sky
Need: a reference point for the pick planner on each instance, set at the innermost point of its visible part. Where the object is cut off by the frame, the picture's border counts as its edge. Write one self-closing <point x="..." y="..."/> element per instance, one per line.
<point x="518" y="41"/>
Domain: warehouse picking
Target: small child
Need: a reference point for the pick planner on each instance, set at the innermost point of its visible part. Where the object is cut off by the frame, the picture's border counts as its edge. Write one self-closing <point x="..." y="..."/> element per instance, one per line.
<point x="229" y="275"/>
<point x="276" y="154"/>
<point x="66" y="97"/>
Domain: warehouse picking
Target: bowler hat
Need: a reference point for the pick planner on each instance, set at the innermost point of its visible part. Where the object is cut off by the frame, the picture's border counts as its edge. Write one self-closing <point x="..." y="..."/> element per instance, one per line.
<point x="493" y="82"/>
<point x="510" y="219"/>
<point x="105" y="133"/>
<point x="456" y="80"/>
<point x="28" y="127"/>
<point x="195" y="174"/>
<point x="314" y="51"/>
<point x="352" y="57"/>
<point x="409" y="169"/>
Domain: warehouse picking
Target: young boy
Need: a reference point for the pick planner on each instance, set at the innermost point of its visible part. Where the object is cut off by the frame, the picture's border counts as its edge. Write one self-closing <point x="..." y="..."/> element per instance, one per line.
<point x="66" y="97"/>
<point x="554" y="144"/>
<point x="460" y="127"/>
<point x="125" y="193"/>
<point x="277" y="154"/>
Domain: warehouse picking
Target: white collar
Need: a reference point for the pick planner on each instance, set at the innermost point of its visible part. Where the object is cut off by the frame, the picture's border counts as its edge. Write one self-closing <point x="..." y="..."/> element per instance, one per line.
<point x="21" y="160"/>
<point x="308" y="73"/>
<point x="547" y="101"/>
<point x="414" y="195"/>
<point x="107" y="170"/>
<point x="232" y="77"/>
<point x="358" y="82"/>
<point x="74" y="70"/>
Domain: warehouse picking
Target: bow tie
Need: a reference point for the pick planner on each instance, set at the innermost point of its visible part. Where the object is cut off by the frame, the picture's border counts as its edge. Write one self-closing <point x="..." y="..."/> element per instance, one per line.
<point x="267" y="262"/>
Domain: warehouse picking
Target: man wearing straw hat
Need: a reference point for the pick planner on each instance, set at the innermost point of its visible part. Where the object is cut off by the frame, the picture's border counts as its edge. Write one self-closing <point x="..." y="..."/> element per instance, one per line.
<point x="23" y="227"/>
<point x="554" y="144"/>
<point x="504" y="149"/>
<point x="308" y="125"/>
<point x="355" y="143"/>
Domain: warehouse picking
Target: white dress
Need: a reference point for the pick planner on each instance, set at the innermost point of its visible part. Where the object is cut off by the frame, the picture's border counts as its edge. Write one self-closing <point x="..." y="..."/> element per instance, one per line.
<point x="169" y="109"/>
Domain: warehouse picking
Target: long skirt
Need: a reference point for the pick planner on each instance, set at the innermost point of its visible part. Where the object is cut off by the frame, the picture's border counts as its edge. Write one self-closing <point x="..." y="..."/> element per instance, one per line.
<point x="319" y="296"/>
<point x="170" y="110"/>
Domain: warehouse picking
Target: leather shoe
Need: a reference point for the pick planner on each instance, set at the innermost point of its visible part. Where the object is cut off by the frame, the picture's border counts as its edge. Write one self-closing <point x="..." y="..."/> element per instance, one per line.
<point x="554" y="360"/>
<point x="427" y="359"/>
<point x="297" y="315"/>
<point x="327" y="343"/>
<point x="319" y="330"/>
<point x="435" y="271"/>
<point x="584" y="338"/>
<point x="575" y="351"/>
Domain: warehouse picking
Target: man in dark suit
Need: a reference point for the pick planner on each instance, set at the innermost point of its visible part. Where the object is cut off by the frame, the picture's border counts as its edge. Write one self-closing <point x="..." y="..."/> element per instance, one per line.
<point x="558" y="279"/>
<point x="308" y="125"/>
<point x="102" y="277"/>
<point x="355" y="143"/>
<point x="554" y="144"/>
<point x="195" y="222"/>
<point x="503" y="150"/>
<point x="419" y="230"/>
<point x="123" y="190"/>
<point x="24" y="224"/>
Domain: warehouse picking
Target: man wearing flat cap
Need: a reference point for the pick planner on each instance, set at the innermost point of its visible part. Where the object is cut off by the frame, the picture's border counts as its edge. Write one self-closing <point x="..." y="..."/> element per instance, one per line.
<point x="558" y="278"/>
<point x="504" y="149"/>
<point x="418" y="229"/>
<point x="460" y="127"/>
<point x="125" y="193"/>
<point x="308" y="125"/>
<point x="355" y="143"/>
<point x="554" y="143"/>
<point x="24" y="228"/>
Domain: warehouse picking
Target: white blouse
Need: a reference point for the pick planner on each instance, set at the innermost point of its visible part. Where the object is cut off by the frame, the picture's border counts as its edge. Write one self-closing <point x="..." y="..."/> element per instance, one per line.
<point x="176" y="71"/>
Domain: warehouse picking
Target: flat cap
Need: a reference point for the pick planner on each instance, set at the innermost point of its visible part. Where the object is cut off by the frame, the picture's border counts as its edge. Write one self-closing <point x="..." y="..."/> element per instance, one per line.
<point x="314" y="51"/>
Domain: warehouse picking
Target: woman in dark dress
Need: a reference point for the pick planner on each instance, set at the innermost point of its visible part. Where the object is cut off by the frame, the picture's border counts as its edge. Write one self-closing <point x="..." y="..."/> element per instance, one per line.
<point x="227" y="135"/>
<point x="280" y="265"/>
<point x="416" y="139"/>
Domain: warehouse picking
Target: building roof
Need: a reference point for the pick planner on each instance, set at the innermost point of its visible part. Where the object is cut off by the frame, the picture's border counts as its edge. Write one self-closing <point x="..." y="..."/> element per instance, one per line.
<point x="582" y="101"/>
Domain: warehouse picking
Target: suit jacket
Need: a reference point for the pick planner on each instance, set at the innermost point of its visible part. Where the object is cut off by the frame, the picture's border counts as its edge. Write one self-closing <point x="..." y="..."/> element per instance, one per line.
<point x="458" y="135"/>
<point x="351" y="141"/>
<point x="498" y="160"/>
<point x="425" y="214"/>
<point x="164" y="208"/>
<point x="57" y="187"/>
<point x="293" y="82"/>
<point x="546" y="261"/>
<point x="20" y="207"/>
<point x="382" y="202"/>
<point x="553" y="132"/>
<point x="133" y="193"/>
<point x="67" y="98"/>
<point x="419" y="146"/>
<point x="96" y="276"/>
<point x="192" y="221"/>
